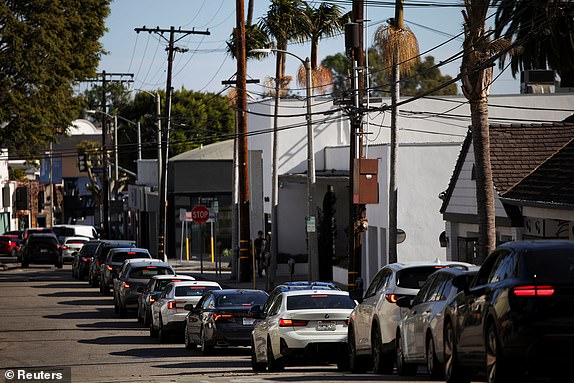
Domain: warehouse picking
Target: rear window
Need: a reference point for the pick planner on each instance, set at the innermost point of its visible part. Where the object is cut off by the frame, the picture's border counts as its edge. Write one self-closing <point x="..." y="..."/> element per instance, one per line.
<point x="193" y="291"/>
<point x="247" y="299"/>
<point x="4" y="239"/>
<point x="149" y="271"/>
<point x="556" y="266"/>
<point x="415" y="277"/>
<point x="64" y="231"/>
<point x="76" y="241"/>
<point x="45" y="240"/>
<point x="120" y="257"/>
<point x="89" y="249"/>
<point x="319" y="301"/>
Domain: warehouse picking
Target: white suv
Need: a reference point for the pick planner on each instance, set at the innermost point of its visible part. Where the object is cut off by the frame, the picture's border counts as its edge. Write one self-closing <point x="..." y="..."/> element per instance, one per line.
<point x="373" y="323"/>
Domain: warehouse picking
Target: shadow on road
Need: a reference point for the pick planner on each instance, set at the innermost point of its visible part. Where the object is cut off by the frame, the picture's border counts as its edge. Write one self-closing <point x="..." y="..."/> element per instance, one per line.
<point x="154" y="352"/>
<point x="207" y="364"/>
<point x="107" y="313"/>
<point x="123" y="325"/>
<point x="119" y="339"/>
<point x="72" y="294"/>
<point x="320" y="375"/>
<point x="89" y="302"/>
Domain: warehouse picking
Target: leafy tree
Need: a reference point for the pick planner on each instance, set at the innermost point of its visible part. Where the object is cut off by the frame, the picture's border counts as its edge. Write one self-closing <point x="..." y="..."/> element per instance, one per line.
<point x="340" y="67"/>
<point x="426" y="76"/>
<point x="45" y="46"/>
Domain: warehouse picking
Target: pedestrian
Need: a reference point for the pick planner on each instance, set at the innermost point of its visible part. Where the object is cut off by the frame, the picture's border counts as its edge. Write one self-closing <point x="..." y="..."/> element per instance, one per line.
<point x="266" y="253"/>
<point x="259" y="245"/>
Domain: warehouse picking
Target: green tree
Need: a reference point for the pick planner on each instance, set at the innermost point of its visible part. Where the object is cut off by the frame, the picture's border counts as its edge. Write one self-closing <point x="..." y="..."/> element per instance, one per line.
<point x="45" y="47"/>
<point x="544" y="31"/>
<point x="426" y="76"/>
<point x="340" y="67"/>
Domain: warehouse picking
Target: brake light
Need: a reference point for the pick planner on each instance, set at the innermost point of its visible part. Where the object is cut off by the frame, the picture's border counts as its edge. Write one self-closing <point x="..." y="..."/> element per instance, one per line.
<point x="151" y="299"/>
<point x="85" y="259"/>
<point x="532" y="291"/>
<point x="131" y="252"/>
<point x="292" y="323"/>
<point x="64" y="247"/>
<point x="391" y="298"/>
<point x="222" y="316"/>
<point x="110" y="268"/>
<point x="126" y="285"/>
<point x="171" y="305"/>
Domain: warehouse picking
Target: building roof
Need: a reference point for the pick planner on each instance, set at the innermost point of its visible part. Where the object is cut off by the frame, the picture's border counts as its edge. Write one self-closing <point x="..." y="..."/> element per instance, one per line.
<point x="222" y="150"/>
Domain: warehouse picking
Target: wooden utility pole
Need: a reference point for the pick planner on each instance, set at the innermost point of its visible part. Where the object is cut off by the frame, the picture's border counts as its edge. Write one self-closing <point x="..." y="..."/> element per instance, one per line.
<point x="162" y="192"/>
<point x="245" y="254"/>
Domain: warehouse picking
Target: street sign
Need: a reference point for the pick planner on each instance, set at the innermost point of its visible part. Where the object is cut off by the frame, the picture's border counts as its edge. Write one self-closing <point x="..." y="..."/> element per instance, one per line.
<point x="200" y="214"/>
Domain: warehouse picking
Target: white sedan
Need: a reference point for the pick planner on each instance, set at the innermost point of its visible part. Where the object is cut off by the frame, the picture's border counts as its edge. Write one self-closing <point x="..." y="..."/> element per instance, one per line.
<point x="168" y="312"/>
<point x="304" y="324"/>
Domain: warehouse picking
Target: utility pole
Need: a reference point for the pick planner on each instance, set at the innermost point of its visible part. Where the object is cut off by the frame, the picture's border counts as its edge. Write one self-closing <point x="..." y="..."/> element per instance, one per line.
<point x="106" y="78"/>
<point x="245" y="260"/>
<point x="357" y="211"/>
<point x="162" y="193"/>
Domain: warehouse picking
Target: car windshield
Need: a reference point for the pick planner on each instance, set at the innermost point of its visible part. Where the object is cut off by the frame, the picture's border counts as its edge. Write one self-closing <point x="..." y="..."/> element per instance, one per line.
<point x="246" y="299"/>
<point x="415" y="277"/>
<point x="149" y="271"/>
<point x="193" y="291"/>
<point x="319" y="301"/>
<point x="120" y="257"/>
<point x="556" y="266"/>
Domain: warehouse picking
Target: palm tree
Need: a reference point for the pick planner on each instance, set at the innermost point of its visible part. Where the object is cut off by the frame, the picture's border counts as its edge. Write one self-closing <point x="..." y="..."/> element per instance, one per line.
<point x="320" y="22"/>
<point x="398" y="44"/>
<point x="544" y="30"/>
<point x="476" y="80"/>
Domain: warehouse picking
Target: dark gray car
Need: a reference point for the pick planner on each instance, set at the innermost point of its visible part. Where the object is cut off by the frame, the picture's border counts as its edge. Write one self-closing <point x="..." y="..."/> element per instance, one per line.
<point x="110" y="268"/>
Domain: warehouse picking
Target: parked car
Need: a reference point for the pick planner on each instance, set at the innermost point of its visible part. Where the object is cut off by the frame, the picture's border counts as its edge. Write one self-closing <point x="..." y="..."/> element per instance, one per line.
<point x="17" y="233"/>
<point x="27" y="232"/>
<point x="109" y="269"/>
<point x="70" y="245"/>
<point x="420" y="333"/>
<point x="82" y="259"/>
<point x="296" y="286"/>
<point x="101" y="255"/>
<point x="515" y="319"/>
<point x="373" y="323"/>
<point x="136" y="273"/>
<point x="41" y="248"/>
<point x="222" y="318"/>
<point x="9" y="245"/>
<point x="300" y="325"/>
<point x="168" y="313"/>
<point x="63" y="231"/>
<point x="148" y="295"/>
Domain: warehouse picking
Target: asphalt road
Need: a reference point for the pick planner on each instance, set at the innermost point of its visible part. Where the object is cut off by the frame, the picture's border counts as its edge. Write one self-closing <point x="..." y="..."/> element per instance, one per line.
<point x="48" y="320"/>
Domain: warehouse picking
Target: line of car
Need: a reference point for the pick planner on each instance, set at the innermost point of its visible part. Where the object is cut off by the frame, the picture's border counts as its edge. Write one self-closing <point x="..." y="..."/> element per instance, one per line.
<point x="508" y="320"/>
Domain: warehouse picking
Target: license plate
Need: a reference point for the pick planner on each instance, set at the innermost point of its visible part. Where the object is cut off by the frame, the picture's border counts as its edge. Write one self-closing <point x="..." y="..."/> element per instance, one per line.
<point x="43" y="250"/>
<point x="248" y="321"/>
<point x="326" y="326"/>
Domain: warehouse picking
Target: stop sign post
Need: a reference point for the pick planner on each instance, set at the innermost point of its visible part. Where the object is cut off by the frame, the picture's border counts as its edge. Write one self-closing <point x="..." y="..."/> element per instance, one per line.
<point x="200" y="214"/>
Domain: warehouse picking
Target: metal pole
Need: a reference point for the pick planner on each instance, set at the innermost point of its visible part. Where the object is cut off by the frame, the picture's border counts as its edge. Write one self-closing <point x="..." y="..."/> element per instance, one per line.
<point x="105" y="175"/>
<point x="311" y="234"/>
<point x="139" y="142"/>
<point x="51" y="186"/>
<point x="116" y="174"/>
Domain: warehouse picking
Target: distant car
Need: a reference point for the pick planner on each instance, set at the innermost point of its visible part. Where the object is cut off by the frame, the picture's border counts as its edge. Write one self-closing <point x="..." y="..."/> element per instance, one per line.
<point x="100" y="256"/>
<point x="222" y="318"/>
<point x="82" y="259"/>
<point x="300" y="325"/>
<point x="420" y="333"/>
<point x="9" y="245"/>
<point x="17" y="233"/>
<point x="151" y="292"/>
<point x="373" y="323"/>
<point x="296" y="286"/>
<point x="168" y="313"/>
<point x="134" y="274"/>
<point x="109" y="269"/>
<point x="70" y="245"/>
<point x="515" y="320"/>
<point x="63" y="231"/>
<point x="41" y="248"/>
<point x="27" y="232"/>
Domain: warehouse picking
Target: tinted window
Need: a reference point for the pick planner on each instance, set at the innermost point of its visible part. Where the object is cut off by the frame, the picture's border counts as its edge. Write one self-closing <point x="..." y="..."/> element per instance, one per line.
<point x="423" y="292"/>
<point x="436" y="292"/>
<point x="120" y="257"/>
<point x="44" y="240"/>
<point x="64" y="231"/>
<point x="76" y="241"/>
<point x="89" y="249"/>
<point x="275" y="306"/>
<point x="247" y="299"/>
<point x="149" y="271"/>
<point x="415" y="277"/>
<point x="504" y="268"/>
<point x="554" y="267"/>
<point x="373" y="286"/>
<point x="193" y="291"/>
<point x="319" y="301"/>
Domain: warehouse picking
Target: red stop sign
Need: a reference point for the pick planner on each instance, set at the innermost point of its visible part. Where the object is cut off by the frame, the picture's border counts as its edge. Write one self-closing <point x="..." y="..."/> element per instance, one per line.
<point x="200" y="214"/>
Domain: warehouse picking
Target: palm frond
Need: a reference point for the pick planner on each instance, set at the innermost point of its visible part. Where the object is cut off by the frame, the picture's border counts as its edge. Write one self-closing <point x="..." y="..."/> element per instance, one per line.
<point x="389" y="40"/>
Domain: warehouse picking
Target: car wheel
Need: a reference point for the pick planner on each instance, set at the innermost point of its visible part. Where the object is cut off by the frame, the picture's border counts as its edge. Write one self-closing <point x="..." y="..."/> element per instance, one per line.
<point x="357" y="364"/>
<point x="152" y="330"/>
<point x="255" y="365"/>
<point x="187" y="341"/>
<point x="59" y="264"/>
<point x="433" y="366"/>
<point x="25" y="264"/>
<point x="204" y="348"/>
<point x="106" y="290"/>
<point x="116" y="306"/>
<point x="140" y="316"/>
<point x="273" y="365"/>
<point x="13" y="253"/>
<point x="403" y="368"/>
<point x="146" y="318"/>
<point x="162" y="334"/>
<point x="452" y="369"/>
<point x="122" y="310"/>
<point x="383" y="363"/>
<point x="495" y="365"/>
<point x="93" y="282"/>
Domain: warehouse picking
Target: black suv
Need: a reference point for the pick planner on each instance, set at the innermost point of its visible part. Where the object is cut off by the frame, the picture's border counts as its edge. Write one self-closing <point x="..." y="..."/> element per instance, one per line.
<point x="100" y="257"/>
<point x="110" y="268"/>
<point x="42" y="248"/>
<point x="82" y="259"/>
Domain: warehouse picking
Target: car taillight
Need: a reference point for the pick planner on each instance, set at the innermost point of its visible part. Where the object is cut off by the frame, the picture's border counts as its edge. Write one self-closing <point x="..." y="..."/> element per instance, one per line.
<point x="533" y="291"/>
<point x="171" y="305"/>
<point x="222" y="316"/>
<point x="151" y="299"/>
<point x="292" y="323"/>
<point x="126" y="285"/>
<point x="109" y="267"/>
<point x="85" y="259"/>
<point x="64" y="247"/>
<point x="391" y="298"/>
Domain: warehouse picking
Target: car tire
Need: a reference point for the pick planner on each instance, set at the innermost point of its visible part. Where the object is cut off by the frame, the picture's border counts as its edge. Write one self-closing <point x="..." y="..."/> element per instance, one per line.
<point x="106" y="290"/>
<point x="255" y="365"/>
<point x="383" y="363"/>
<point x="204" y="348"/>
<point x="146" y="318"/>
<point x="186" y="341"/>
<point x="122" y="310"/>
<point x="433" y="366"/>
<point x="273" y="365"/>
<point x="116" y="306"/>
<point x="452" y="370"/>
<point x="25" y="264"/>
<point x="140" y="317"/>
<point x="496" y="371"/>
<point x="357" y="364"/>
<point x="59" y="264"/>
<point x="162" y="335"/>
<point x="403" y="368"/>
<point x="152" y="331"/>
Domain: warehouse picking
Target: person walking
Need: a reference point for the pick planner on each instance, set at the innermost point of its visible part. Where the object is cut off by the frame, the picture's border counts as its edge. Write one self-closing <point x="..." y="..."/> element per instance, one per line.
<point x="259" y="245"/>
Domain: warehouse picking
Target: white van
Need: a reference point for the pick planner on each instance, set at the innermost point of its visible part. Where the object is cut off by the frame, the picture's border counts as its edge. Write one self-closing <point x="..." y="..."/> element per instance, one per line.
<point x="63" y="231"/>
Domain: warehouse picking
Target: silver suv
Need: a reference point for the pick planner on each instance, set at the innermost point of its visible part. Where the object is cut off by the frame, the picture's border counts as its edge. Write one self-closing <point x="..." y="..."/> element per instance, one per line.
<point x="373" y="323"/>
<point x="136" y="273"/>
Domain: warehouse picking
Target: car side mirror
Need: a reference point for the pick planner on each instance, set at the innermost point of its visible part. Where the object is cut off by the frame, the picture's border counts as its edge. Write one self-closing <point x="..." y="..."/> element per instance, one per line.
<point x="404" y="302"/>
<point x="461" y="282"/>
<point x="356" y="295"/>
<point x="188" y="307"/>
<point x="256" y="313"/>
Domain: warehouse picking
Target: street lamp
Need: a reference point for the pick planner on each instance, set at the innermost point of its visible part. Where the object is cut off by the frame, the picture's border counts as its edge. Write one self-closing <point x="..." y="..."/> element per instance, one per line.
<point x="312" y="260"/>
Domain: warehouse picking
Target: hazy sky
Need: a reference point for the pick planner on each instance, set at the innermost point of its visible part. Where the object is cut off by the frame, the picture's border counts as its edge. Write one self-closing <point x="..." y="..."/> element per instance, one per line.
<point x="206" y="64"/>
